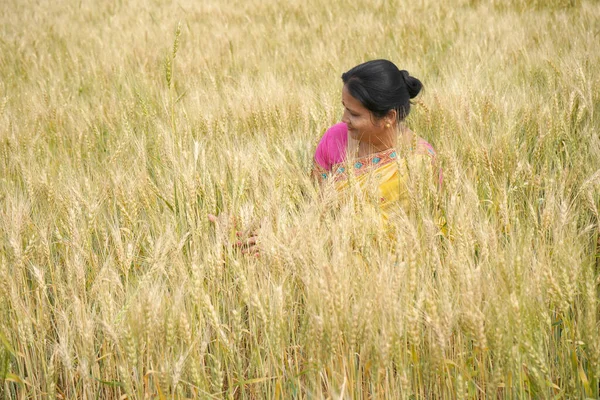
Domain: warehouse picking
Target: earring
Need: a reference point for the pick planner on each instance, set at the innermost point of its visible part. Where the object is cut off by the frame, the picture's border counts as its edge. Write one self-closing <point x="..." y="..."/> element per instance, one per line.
<point x="387" y="125"/>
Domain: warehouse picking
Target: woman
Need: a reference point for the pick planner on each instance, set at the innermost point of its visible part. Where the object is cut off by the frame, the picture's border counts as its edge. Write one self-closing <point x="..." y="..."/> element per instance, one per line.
<point x="371" y="145"/>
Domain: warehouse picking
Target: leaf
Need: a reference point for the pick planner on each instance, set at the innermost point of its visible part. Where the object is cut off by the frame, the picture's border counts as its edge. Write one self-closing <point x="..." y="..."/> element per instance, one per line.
<point x="17" y="379"/>
<point x="109" y="383"/>
<point x="257" y="380"/>
<point x="6" y="344"/>
<point x="584" y="380"/>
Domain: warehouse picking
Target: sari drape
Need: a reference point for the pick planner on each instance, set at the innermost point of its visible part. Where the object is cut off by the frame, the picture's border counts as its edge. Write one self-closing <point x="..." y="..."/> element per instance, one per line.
<point x="385" y="177"/>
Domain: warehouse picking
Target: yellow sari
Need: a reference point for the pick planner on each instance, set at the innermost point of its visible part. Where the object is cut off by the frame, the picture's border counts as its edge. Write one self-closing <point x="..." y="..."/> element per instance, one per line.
<point x="388" y="177"/>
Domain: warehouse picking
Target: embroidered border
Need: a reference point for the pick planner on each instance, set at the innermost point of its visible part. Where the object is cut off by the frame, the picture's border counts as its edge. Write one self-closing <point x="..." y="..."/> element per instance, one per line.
<point x="363" y="165"/>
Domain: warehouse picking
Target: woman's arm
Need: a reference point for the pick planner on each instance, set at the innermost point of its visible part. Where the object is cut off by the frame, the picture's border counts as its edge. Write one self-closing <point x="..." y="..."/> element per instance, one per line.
<point x="318" y="173"/>
<point x="330" y="150"/>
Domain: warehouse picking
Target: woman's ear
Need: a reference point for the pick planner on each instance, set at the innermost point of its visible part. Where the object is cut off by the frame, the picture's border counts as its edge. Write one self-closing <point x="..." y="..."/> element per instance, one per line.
<point x="391" y="117"/>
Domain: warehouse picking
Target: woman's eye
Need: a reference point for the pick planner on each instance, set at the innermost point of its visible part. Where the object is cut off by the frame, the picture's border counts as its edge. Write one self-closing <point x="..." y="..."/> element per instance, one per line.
<point x="351" y="113"/>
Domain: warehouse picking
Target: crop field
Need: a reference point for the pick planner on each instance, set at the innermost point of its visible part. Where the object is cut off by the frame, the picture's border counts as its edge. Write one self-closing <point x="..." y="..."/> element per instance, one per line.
<point x="125" y="123"/>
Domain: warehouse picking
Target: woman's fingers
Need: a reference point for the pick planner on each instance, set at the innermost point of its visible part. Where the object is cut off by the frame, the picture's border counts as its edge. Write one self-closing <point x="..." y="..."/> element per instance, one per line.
<point x="251" y="252"/>
<point x="251" y="248"/>
<point x="225" y="220"/>
<point x="247" y="246"/>
<point x="250" y="242"/>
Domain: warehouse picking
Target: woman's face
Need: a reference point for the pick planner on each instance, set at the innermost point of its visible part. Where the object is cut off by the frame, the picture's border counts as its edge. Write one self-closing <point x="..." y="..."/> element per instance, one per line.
<point x="361" y="124"/>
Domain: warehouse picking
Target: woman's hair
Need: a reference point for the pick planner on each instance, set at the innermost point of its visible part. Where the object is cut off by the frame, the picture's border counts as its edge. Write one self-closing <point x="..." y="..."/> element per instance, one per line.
<point x="380" y="86"/>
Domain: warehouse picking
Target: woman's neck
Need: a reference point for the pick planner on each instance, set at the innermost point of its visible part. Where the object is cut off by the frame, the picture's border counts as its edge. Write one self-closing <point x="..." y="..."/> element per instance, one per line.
<point x="401" y="135"/>
<point x="365" y="148"/>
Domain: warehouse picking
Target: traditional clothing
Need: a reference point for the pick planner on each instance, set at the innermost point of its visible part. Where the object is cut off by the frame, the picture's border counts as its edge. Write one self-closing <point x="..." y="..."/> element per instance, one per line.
<point x="384" y="176"/>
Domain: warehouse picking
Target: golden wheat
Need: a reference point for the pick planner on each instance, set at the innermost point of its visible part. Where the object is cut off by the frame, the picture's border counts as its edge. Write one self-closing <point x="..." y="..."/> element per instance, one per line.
<point x="123" y="125"/>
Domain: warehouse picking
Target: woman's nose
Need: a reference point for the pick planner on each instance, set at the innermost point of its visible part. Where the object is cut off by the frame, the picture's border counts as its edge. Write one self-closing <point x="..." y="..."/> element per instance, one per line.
<point x="345" y="117"/>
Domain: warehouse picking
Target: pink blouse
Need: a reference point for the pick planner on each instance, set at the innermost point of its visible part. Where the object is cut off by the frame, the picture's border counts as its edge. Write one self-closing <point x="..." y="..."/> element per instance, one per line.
<point x="331" y="150"/>
<point x="332" y="147"/>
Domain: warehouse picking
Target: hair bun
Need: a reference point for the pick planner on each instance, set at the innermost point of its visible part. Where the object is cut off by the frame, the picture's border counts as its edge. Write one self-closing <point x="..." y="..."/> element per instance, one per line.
<point x="413" y="85"/>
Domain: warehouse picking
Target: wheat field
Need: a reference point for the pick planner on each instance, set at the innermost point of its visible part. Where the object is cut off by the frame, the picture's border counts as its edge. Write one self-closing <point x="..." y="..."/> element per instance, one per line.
<point x="123" y="124"/>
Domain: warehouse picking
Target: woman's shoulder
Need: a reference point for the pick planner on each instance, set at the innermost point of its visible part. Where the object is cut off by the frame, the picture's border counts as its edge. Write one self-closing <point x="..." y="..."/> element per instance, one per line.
<point x="426" y="155"/>
<point x="332" y="146"/>
<point x="415" y="144"/>
<point x="338" y="131"/>
<point x="424" y="147"/>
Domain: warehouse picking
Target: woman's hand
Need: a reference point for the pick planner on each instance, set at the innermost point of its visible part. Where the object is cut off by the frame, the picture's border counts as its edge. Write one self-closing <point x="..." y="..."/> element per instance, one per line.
<point x="247" y="242"/>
